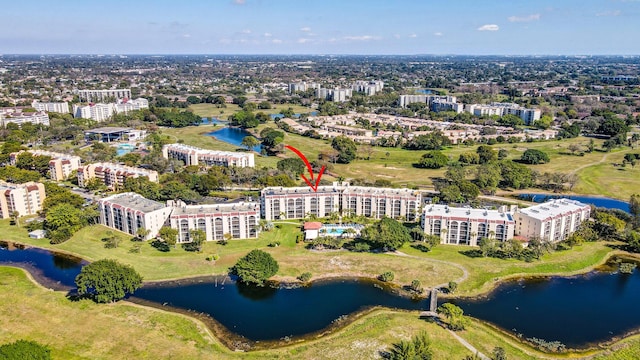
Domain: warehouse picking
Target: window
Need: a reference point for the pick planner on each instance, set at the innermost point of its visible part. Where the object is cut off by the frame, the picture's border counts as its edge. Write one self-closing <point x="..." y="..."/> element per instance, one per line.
<point x="482" y="231"/>
<point x="367" y="207"/>
<point x="299" y="208"/>
<point x="382" y="208"/>
<point x="314" y="207"/>
<point x="396" y="208"/>
<point x="411" y="211"/>
<point x="291" y="210"/>
<point x="275" y="209"/>
<point x="253" y="226"/>
<point x="218" y="229"/>
<point x="453" y="232"/>
<point x="464" y="233"/>
<point x="184" y="230"/>
<point x="435" y="227"/>
<point x="235" y="227"/>
<point x="500" y="232"/>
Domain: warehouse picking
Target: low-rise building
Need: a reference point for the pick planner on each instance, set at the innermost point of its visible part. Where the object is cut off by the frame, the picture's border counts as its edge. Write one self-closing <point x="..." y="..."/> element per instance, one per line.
<point x="60" y="166"/>
<point x="552" y="221"/>
<point x="529" y="116"/>
<point x="126" y="105"/>
<point x="18" y="117"/>
<point x="111" y="134"/>
<point x="192" y="155"/>
<point x="466" y="226"/>
<point x="113" y="175"/>
<point x="128" y="212"/>
<point x="240" y="219"/>
<point x="101" y="95"/>
<point x="24" y="199"/>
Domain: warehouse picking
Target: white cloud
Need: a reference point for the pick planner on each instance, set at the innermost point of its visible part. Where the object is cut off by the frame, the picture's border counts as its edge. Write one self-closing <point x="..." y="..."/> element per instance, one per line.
<point x="276" y="41"/>
<point x="362" y="38"/>
<point x="413" y="36"/>
<point x="489" y="27"/>
<point x="246" y="31"/>
<point x="438" y="33"/>
<point x="186" y="36"/>
<point x="397" y="36"/>
<point x="268" y="35"/>
<point x="610" y="13"/>
<point x="305" y="29"/>
<point x="532" y="17"/>
<point x="239" y="2"/>
<point x="303" y="41"/>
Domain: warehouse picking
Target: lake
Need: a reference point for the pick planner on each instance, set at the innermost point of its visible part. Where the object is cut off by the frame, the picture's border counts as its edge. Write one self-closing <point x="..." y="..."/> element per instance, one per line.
<point x="577" y="311"/>
<point x="234" y="136"/>
<point x="592" y="200"/>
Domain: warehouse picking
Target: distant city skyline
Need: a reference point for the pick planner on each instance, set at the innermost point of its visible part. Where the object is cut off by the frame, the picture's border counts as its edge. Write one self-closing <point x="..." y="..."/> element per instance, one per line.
<point x="374" y="27"/>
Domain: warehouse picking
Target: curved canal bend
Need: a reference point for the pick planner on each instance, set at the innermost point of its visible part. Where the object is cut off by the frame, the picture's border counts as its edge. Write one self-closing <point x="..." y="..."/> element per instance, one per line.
<point x="591" y="308"/>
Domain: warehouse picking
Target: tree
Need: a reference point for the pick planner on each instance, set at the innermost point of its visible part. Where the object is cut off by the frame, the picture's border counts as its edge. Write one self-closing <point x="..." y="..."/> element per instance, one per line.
<point x="433" y="160"/>
<point x="418" y="348"/>
<point x="454" y="315"/>
<point x="255" y="267"/>
<point x="292" y="165"/>
<point x="250" y="142"/>
<point x="486" y="154"/>
<point x="574" y="148"/>
<point x="15" y="218"/>
<point x="107" y="281"/>
<point x="386" y="233"/>
<point x="534" y="157"/>
<point x="634" y="207"/>
<point x="346" y="148"/>
<point x="469" y="158"/>
<point x="142" y="233"/>
<point x="62" y="221"/>
<point x="516" y="175"/>
<point x="498" y="354"/>
<point x="24" y="350"/>
<point x="197" y="237"/>
<point x="168" y="235"/>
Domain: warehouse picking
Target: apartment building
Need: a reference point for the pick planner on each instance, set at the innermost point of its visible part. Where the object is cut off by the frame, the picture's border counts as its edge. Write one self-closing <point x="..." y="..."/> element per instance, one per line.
<point x="113" y="175"/>
<point x="59" y="107"/>
<point x="368" y="87"/>
<point x="241" y="220"/>
<point x="529" y="116"/>
<point x="443" y="105"/>
<point x="98" y="112"/>
<point x="125" y="105"/>
<point x="60" y="166"/>
<point x="128" y="212"/>
<point x="25" y="199"/>
<point x="18" y="117"/>
<point x="405" y="100"/>
<point x="101" y="95"/>
<point x="466" y="226"/>
<point x="192" y="155"/>
<point x="297" y="202"/>
<point x="552" y="221"/>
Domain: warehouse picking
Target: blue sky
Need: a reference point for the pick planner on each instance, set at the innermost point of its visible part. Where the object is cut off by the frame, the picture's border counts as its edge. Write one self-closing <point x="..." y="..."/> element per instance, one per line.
<point x="523" y="27"/>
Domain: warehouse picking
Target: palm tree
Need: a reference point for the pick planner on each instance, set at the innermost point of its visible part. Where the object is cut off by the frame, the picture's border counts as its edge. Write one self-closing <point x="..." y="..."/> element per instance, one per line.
<point x="15" y="217"/>
<point x="142" y="233"/>
<point x="444" y="232"/>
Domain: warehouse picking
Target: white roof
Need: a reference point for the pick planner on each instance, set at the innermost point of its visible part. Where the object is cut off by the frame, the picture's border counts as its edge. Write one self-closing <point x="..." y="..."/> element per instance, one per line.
<point x="553" y="208"/>
<point x="479" y="214"/>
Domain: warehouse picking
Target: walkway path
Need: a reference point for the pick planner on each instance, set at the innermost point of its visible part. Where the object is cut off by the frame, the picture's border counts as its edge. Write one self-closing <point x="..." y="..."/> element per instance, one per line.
<point x="468" y="346"/>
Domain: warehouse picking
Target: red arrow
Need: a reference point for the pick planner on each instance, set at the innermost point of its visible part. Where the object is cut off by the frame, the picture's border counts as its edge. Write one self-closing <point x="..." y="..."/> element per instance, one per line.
<point x="306" y="162"/>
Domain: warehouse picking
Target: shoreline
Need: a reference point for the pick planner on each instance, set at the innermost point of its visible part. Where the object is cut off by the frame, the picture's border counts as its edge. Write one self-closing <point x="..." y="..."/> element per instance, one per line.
<point x="235" y="342"/>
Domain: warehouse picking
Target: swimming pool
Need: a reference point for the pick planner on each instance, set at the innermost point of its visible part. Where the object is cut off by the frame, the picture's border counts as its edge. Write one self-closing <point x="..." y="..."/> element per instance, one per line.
<point x="338" y="230"/>
<point x="122" y="149"/>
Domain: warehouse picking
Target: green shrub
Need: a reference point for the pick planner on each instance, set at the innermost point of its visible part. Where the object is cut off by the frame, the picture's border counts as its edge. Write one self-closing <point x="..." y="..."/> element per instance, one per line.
<point x="386" y="276"/>
<point x="305" y="276"/>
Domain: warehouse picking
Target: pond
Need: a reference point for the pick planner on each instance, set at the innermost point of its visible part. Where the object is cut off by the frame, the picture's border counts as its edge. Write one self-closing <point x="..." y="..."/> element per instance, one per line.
<point x="592" y="200"/>
<point x="576" y="311"/>
<point x="212" y="121"/>
<point x="233" y="135"/>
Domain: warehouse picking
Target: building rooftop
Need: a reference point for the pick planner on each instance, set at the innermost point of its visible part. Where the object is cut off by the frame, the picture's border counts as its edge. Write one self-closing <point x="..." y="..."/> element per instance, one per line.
<point x="210" y="208"/>
<point x="134" y="201"/>
<point x="345" y="188"/>
<point x="553" y="208"/>
<point x="447" y="211"/>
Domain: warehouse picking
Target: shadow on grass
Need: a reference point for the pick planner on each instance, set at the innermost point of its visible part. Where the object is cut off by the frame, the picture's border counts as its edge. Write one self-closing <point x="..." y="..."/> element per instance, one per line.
<point x="160" y="245"/>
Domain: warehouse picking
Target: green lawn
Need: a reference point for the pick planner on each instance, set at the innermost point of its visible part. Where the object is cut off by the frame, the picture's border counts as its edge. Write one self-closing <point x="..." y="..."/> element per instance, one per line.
<point x="86" y="330"/>
<point x="210" y="110"/>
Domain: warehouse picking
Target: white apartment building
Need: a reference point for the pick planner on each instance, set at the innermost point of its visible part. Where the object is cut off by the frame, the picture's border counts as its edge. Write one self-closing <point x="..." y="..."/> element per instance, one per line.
<point x="466" y="226"/>
<point x="529" y="116"/>
<point x="126" y="105"/>
<point x="59" y="107"/>
<point x="113" y="175"/>
<point x="368" y="87"/>
<point x="552" y="221"/>
<point x="336" y="95"/>
<point x="25" y="199"/>
<point x="128" y="212"/>
<point x="405" y="100"/>
<point x="240" y="219"/>
<point x="60" y="166"/>
<point x="192" y="155"/>
<point x="98" y="112"/>
<point x="443" y="105"/>
<point x="11" y="116"/>
<point x="100" y="95"/>
<point x="297" y="202"/>
<point x="300" y="87"/>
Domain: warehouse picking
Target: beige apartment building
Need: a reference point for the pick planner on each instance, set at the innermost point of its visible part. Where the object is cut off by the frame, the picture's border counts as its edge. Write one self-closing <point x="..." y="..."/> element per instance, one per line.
<point x="113" y="175"/>
<point x="25" y="199"/>
<point x="192" y="155"/>
<point x="552" y="221"/>
<point x="60" y="167"/>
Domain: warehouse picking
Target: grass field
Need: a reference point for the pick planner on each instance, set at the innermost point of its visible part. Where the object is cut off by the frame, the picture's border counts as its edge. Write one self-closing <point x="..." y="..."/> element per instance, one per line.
<point x="210" y="110"/>
<point x="85" y="330"/>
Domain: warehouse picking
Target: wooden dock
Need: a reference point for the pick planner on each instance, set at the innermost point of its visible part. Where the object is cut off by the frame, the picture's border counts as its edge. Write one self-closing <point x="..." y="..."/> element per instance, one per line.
<point x="433" y="305"/>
